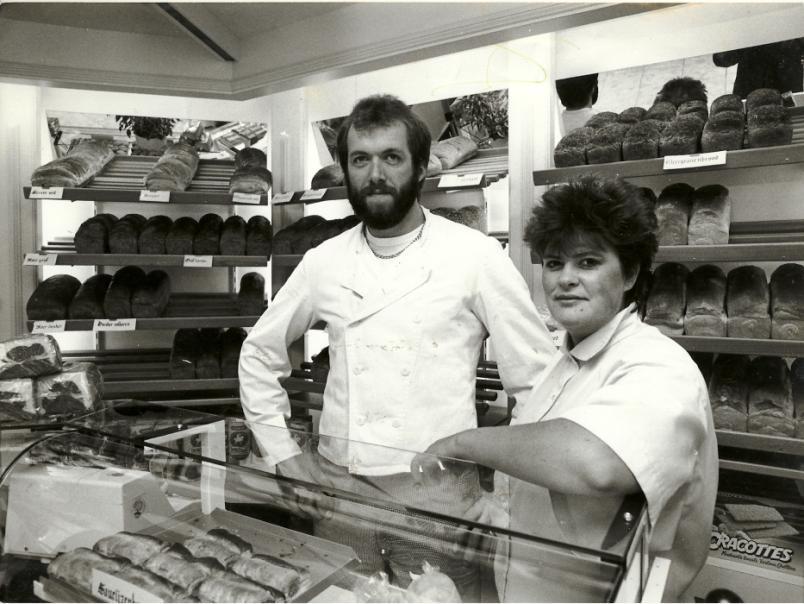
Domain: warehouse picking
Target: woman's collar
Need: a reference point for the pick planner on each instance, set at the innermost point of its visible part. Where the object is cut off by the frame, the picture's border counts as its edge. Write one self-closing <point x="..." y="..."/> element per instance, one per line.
<point x="598" y="341"/>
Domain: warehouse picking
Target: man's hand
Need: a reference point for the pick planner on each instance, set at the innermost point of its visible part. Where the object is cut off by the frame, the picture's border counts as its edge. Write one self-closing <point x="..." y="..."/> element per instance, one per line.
<point x="428" y="468"/>
<point x="310" y="501"/>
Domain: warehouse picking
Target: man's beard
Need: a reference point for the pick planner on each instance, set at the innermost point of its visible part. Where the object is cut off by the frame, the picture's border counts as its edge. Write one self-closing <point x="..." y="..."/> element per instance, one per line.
<point x="384" y="217"/>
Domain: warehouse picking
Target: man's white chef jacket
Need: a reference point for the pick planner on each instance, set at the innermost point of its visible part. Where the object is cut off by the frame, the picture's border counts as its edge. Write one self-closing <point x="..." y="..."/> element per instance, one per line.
<point x="403" y="358"/>
<point x="641" y="394"/>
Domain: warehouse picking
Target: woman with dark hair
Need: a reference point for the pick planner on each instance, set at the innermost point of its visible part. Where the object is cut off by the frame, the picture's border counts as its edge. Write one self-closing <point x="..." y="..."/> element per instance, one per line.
<point x="621" y="409"/>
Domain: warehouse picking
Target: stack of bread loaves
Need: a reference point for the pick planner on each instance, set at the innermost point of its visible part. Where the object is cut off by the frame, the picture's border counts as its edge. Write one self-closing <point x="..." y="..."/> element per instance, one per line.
<point x="206" y="353"/>
<point x="250" y="175"/>
<point x="688" y="216"/>
<point x="768" y="122"/>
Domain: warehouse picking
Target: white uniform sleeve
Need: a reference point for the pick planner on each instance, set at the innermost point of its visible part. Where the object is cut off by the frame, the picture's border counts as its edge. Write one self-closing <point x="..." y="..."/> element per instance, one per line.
<point x="264" y="360"/>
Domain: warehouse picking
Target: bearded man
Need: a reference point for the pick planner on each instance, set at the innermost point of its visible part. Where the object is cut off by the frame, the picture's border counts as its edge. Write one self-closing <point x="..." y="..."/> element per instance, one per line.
<point x="408" y="298"/>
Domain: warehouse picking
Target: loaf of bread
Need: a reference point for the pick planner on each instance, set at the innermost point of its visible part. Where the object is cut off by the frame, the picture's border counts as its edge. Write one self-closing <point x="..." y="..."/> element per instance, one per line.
<point x="231" y="343"/>
<point x="704" y="361"/>
<point x="29" y="356"/>
<point x="769" y="125"/>
<point x="682" y="136"/>
<point x="601" y="120"/>
<point x="747" y="302"/>
<point x="125" y="234"/>
<point x="770" y="403"/>
<point x="92" y="237"/>
<point x="76" y="567"/>
<point x="88" y="301"/>
<point x="710" y="216"/>
<point x="797" y="391"/>
<point x="233" y="236"/>
<point x="251" y="180"/>
<point x="726" y="102"/>
<point x="184" y="354"/>
<point x="662" y="112"/>
<point x="117" y="302"/>
<point x="208" y="237"/>
<point x="151" y="297"/>
<point x="642" y="140"/>
<point x="723" y="132"/>
<point x="787" y="302"/>
<point x="327" y="177"/>
<point x="250" y="157"/>
<point x="762" y="96"/>
<point x="571" y="149"/>
<point x="632" y="115"/>
<point x="324" y="231"/>
<point x="77" y="389"/>
<point x="606" y="144"/>
<point x="454" y="151"/>
<point x="668" y="298"/>
<point x="181" y="235"/>
<point x="433" y="165"/>
<point x="728" y="392"/>
<point x="251" y="295"/>
<point x="76" y="168"/>
<point x="297" y="238"/>
<point x="673" y="209"/>
<point x="51" y="299"/>
<point x="258" y="236"/>
<point x="208" y="363"/>
<point x="695" y="108"/>
<point x="153" y="235"/>
<point x="705" y="314"/>
<point x="174" y="170"/>
<point x="17" y="400"/>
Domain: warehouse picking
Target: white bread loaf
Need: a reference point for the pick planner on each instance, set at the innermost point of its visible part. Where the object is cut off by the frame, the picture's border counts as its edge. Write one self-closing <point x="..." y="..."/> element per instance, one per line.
<point x="174" y="170"/>
<point x="728" y="392"/>
<point x="433" y="166"/>
<point x="770" y="402"/>
<point x="787" y="302"/>
<point x="710" y="216"/>
<point x="454" y="151"/>
<point x="673" y="213"/>
<point x="667" y="299"/>
<point x="705" y="314"/>
<point x="747" y="301"/>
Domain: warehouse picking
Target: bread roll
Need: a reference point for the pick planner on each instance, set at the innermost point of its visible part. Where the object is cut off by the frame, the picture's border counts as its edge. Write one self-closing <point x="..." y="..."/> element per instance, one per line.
<point x="710" y="216"/>
<point x="601" y="120"/>
<point x="433" y="166"/>
<point x="250" y="157"/>
<point x="181" y="236"/>
<point x="642" y="140"/>
<point x="632" y="115"/>
<point x="125" y="234"/>
<point x="571" y="149"/>
<point x="174" y="170"/>
<point x="705" y="314"/>
<point x="208" y="364"/>
<point x="454" y="151"/>
<point x="231" y="343"/>
<point x="233" y="236"/>
<point x="82" y="163"/>
<point x="207" y="238"/>
<point x="681" y="136"/>
<point x="88" y="301"/>
<point x="258" y="236"/>
<point x="606" y="145"/>
<point x="29" y="356"/>
<point x="326" y="177"/>
<point x="668" y="298"/>
<point x="151" y="297"/>
<point x="153" y="235"/>
<point x="787" y="302"/>
<point x="77" y="389"/>
<point x="723" y="132"/>
<point x="117" y="302"/>
<point x="747" y="301"/>
<point x="250" y="180"/>
<point x="797" y="391"/>
<point x="726" y="103"/>
<point x="673" y="213"/>
<point x="184" y="354"/>
<point x="92" y="237"/>
<point x="770" y="403"/>
<point x="728" y="392"/>
<point x="51" y="299"/>
<point x="251" y="296"/>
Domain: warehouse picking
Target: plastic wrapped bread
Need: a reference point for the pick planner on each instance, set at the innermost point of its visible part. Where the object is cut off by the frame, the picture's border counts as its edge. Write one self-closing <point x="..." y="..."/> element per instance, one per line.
<point x="179" y="239"/>
<point x="50" y="301"/>
<point x="668" y="298"/>
<point x="728" y="392"/>
<point x="153" y="234"/>
<point x="787" y="302"/>
<point x="797" y="391"/>
<point x="29" y="356"/>
<point x="75" y="567"/>
<point x="152" y="295"/>
<point x="770" y="402"/>
<point x="77" y="389"/>
<point x="117" y="301"/>
<point x="92" y="237"/>
<point x="251" y="295"/>
<point x="184" y="354"/>
<point x="454" y="151"/>
<point x="88" y="301"/>
<point x="83" y="162"/>
<point x="174" y="170"/>
<point x="673" y="209"/>
<point x="125" y="234"/>
<point x="710" y="216"/>
<point x="747" y="303"/>
<point x="705" y="314"/>
<point x="259" y="236"/>
<point x="17" y="399"/>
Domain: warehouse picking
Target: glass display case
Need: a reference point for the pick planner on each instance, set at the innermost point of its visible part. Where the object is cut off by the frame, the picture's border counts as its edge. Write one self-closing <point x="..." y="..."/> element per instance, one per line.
<point x="151" y="503"/>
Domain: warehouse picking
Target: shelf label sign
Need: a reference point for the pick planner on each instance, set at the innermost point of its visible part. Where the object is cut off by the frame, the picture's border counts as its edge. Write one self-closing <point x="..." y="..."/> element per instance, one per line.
<point x="114" y="325"/>
<point x="313" y="194"/>
<point x="160" y="196"/>
<point x="699" y="160"/>
<point x="48" y="326"/>
<point x="449" y="181"/>
<point x="283" y="197"/>
<point x="252" y="198"/>
<point x="46" y="193"/>
<point x="37" y="259"/>
<point x="197" y="261"/>
<point x="109" y="588"/>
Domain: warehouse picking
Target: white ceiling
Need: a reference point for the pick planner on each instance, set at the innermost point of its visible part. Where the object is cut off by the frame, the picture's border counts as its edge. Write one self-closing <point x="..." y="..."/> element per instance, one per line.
<point x="246" y="19"/>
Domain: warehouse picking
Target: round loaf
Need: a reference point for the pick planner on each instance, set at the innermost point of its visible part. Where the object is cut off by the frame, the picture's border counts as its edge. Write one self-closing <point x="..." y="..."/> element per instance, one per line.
<point x="328" y="176"/>
<point x="681" y="137"/>
<point x="769" y="125"/>
<point x="251" y="295"/>
<point x="606" y="144"/>
<point x="697" y="108"/>
<point x="663" y="112"/>
<point x="51" y="299"/>
<point x="571" y="149"/>
<point x="726" y="102"/>
<point x="762" y="96"/>
<point x="250" y="157"/>
<point x="632" y="115"/>
<point x="602" y="119"/>
<point x="642" y="140"/>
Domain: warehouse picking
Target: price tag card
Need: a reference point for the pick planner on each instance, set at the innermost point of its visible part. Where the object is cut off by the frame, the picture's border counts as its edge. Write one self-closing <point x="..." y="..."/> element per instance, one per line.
<point x="252" y="198"/>
<point x="313" y="194"/>
<point x="197" y="261"/>
<point x="46" y="193"/>
<point x="449" y="181"/>
<point x="283" y="197"/>
<point x="160" y="196"/>
<point x="48" y="326"/>
<point x="110" y="588"/>
<point x="558" y="337"/>
<point x="114" y="325"/>
<point x="699" y="160"/>
<point x="37" y="259"/>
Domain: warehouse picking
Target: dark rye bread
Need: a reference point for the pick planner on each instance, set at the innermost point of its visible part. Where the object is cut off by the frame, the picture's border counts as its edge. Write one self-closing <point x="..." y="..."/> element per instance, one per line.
<point x="710" y="216"/>
<point x="762" y="96"/>
<point x="308" y="229"/>
<point x="787" y="302"/>
<point x="632" y="115"/>
<point x="258" y="236"/>
<point x="601" y="120"/>
<point x="770" y="404"/>
<point x="728" y="392"/>
<point x="117" y="303"/>
<point x="606" y="145"/>
<point x="662" y="112"/>
<point x="695" y="108"/>
<point x="672" y="213"/>
<point x="723" y="131"/>
<point x="208" y="363"/>
<point x="124" y="236"/>
<point x="51" y="299"/>
<point x="681" y="136"/>
<point x="642" y="140"/>
<point x="88" y="301"/>
<point x="153" y="234"/>
<point x="251" y="295"/>
<point x="151" y="297"/>
<point x="571" y="149"/>
<point x="251" y="180"/>
<point x="726" y="102"/>
<point x="92" y="237"/>
<point x="184" y="354"/>
<point x="705" y="314"/>
<point x="668" y="298"/>
<point x="747" y="303"/>
<point x="231" y="343"/>
<point x="769" y="125"/>
<point x="208" y="237"/>
<point x="233" y="236"/>
<point x="29" y="356"/>
<point x="179" y="239"/>
<point x="328" y="176"/>
<point x="250" y="157"/>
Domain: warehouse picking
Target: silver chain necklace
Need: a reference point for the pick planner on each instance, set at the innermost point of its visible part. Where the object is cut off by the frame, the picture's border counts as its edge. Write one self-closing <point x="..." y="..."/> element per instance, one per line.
<point x="390" y="256"/>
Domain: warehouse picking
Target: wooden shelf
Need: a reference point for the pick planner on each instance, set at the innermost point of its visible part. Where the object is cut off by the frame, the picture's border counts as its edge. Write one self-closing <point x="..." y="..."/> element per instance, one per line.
<point x="66" y="258"/>
<point x="286" y="259"/>
<point x="167" y="323"/>
<point x="778" y="348"/>
<point x="760" y="442"/>
<point x="732" y="252"/>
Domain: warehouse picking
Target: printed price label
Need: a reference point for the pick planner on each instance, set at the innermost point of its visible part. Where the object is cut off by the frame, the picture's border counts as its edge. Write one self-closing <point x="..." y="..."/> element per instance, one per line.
<point x="283" y="197"/>
<point x="109" y="588"/>
<point x="252" y="198"/>
<point x="460" y="180"/>
<point x="680" y="162"/>
<point x="48" y="326"/>
<point x="36" y="259"/>
<point x="46" y="193"/>
<point x="198" y="261"/>
<point x="160" y="196"/>
<point x="114" y="325"/>
<point x="313" y="194"/>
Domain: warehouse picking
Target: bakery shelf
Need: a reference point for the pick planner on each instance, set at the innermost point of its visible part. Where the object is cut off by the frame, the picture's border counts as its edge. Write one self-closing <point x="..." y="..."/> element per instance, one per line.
<point x="760" y="442"/>
<point x="68" y="258"/>
<point x="732" y="252"/>
<point x="167" y="323"/>
<point x="286" y="259"/>
<point x="761" y="469"/>
<point x="779" y="348"/>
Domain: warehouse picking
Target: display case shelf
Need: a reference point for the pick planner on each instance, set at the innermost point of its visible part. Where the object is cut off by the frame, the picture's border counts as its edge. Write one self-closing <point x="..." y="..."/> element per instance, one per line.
<point x="732" y="252"/>
<point x="779" y="348"/>
<point x="760" y="442"/>
<point x="66" y="257"/>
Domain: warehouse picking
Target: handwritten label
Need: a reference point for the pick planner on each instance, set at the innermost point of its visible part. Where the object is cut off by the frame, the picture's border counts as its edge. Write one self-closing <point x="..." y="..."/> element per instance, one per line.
<point x="46" y="193"/>
<point x="313" y="194"/>
<point x="114" y="325"/>
<point x="109" y="588"/>
<point x="449" y="181"/>
<point x="282" y="197"/>
<point x="48" y="326"/>
<point x="37" y="259"/>
<point x="160" y="196"/>
<point x="699" y="160"/>
<point x="558" y="337"/>
<point x="252" y="198"/>
<point x="197" y="261"/>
